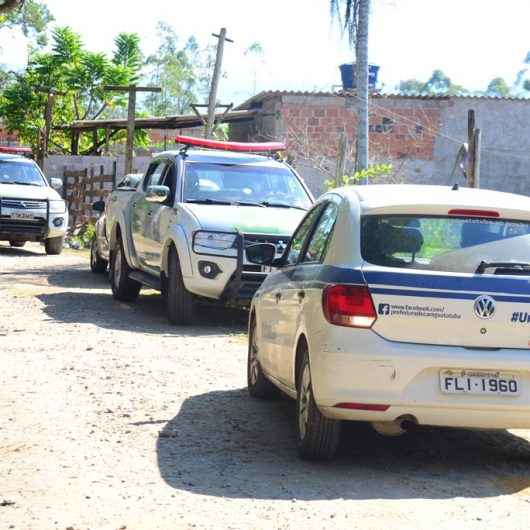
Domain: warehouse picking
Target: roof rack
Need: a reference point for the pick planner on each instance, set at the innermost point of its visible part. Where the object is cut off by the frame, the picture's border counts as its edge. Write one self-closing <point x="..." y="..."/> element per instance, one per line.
<point x="240" y="147"/>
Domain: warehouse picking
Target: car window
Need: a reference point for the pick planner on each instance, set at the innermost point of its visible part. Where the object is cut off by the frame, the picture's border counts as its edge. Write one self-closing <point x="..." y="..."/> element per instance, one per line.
<point x="318" y="244"/>
<point x="155" y="173"/>
<point x="170" y="180"/>
<point x="263" y="184"/>
<point x="300" y="235"/>
<point x="22" y="172"/>
<point x="451" y="244"/>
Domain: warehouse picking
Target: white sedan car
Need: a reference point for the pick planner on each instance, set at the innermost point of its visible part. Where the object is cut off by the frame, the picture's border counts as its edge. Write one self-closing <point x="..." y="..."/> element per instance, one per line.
<point x="397" y="305"/>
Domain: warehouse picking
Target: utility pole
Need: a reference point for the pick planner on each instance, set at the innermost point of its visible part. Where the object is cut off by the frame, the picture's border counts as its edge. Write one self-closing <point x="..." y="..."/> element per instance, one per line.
<point x="48" y="115"/>
<point x="361" y="81"/>
<point x="131" y="116"/>
<point x="473" y="161"/>
<point x="341" y="159"/>
<point x="212" y="100"/>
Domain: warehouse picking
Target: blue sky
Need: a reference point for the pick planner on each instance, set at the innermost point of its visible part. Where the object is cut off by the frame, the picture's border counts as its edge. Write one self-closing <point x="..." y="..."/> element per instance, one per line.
<point x="471" y="40"/>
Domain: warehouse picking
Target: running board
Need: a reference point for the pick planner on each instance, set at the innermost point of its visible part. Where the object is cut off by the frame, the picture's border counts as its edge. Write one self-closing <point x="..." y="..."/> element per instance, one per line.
<point x="146" y="279"/>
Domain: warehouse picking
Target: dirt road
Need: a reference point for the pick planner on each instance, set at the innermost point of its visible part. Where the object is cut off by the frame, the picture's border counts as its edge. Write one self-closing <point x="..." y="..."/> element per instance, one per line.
<point x="111" y="418"/>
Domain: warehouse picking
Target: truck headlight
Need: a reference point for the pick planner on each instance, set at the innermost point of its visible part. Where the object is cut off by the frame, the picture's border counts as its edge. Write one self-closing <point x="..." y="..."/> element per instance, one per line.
<point x="57" y="207"/>
<point x="213" y="240"/>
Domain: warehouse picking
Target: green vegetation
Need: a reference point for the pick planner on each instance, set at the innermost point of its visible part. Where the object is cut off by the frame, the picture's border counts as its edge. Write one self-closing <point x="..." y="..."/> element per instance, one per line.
<point x="374" y="174"/>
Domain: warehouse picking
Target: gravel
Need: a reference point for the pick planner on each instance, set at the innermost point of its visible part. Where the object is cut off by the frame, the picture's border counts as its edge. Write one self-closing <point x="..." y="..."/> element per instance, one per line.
<point x="112" y="418"/>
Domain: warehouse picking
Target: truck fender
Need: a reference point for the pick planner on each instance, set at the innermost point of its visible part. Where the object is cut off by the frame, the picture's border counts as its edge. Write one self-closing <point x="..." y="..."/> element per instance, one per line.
<point x="128" y="246"/>
<point x="177" y="237"/>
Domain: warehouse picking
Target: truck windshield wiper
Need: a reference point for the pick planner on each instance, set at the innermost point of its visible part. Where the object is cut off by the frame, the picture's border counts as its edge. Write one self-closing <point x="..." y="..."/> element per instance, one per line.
<point x="282" y="205"/>
<point x="228" y="203"/>
<point x="504" y="265"/>
<point x="25" y="183"/>
<point x="209" y="201"/>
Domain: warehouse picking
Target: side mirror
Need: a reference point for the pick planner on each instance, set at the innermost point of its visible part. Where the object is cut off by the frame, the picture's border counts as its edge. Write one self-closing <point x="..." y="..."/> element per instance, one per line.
<point x="157" y="194"/>
<point x="56" y="184"/>
<point x="261" y="253"/>
<point x="99" y="206"/>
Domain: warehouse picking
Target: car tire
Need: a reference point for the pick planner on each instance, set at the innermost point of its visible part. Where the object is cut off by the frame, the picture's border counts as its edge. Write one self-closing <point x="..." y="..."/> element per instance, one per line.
<point x="318" y="436"/>
<point x="17" y="244"/>
<point x="98" y="265"/>
<point x="180" y="302"/>
<point x="123" y="288"/>
<point x="258" y="385"/>
<point x="54" y="246"/>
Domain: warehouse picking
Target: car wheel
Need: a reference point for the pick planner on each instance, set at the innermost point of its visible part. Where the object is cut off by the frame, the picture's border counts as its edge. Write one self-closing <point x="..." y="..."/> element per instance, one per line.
<point x="98" y="265"/>
<point x="258" y="385"/>
<point x="180" y="302"/>
<point x="318" y="436"/>
<point x="17" y="244"/>
<point x="54" y="246"/>
<point x="123" y="287"/>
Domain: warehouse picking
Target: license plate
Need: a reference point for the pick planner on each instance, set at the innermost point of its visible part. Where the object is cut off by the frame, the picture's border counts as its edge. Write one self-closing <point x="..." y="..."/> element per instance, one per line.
<point x="21" y="215"/>
<point x="476" y="382"/>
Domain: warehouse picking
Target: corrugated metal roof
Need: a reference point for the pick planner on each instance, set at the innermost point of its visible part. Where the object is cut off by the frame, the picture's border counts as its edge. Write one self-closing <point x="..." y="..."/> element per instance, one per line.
<point x="267" y="94"/>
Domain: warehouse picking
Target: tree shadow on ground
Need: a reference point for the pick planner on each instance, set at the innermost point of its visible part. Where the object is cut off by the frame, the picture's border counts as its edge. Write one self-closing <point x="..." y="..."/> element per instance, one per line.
<point x="226" y="444"/>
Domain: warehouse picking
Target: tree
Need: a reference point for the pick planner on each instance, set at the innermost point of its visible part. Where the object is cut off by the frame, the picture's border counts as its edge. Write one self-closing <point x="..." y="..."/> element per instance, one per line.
<point x="255" y="52"/>
<point x="355" y="18"/>
<point x="498" y="87"/>
<point x="411" y="86"/>
<point x="439" y="84"/>
<point x="182" y="72"/>
<point x="79" y="75"/>
<point x="32" y="18"/>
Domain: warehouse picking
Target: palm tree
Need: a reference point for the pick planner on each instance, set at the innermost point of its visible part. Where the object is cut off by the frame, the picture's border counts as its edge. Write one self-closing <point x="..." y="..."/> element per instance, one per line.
<point x="353" y="17"/>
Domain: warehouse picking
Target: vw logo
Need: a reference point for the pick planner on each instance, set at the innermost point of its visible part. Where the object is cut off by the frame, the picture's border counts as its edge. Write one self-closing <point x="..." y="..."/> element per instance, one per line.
<point x="484" y="306"/>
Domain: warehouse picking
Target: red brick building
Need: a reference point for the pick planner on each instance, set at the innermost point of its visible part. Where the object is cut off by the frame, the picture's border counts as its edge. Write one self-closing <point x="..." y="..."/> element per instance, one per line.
<point x="419" y="135"/>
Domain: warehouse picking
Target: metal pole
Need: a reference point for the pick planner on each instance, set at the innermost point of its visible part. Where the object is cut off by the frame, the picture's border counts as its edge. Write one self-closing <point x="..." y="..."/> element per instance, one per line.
<point x="362" y="85"/>
<point x="471" y="148"/>
<point x="476" y="158"/>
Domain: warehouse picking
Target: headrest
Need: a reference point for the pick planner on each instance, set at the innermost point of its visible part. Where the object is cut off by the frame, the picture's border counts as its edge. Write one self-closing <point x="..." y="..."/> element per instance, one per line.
<point x="392" y="239"/>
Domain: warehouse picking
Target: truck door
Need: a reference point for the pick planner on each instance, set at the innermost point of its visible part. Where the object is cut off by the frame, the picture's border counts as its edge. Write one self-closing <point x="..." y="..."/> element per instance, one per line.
<point x="142" y="211"/>
<point x="160" y="217"/>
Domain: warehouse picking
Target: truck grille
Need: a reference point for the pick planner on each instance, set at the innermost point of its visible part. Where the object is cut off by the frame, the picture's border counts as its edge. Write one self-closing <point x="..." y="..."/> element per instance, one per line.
<point x="21" y="204"/>
<point x="280" y="242"/>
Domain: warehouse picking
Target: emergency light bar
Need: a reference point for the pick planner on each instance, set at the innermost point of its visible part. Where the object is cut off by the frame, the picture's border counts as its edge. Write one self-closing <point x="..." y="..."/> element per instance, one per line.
<point x="242" y="147"/>
<point x="15" y="150"/>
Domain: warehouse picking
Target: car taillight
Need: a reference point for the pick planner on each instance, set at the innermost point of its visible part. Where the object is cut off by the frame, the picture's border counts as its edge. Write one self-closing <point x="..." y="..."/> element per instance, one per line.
<point x="349" y="305"/>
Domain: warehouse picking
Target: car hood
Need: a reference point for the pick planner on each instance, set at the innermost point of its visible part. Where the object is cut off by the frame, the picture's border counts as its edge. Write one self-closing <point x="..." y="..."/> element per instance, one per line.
<point x="247" y="219"/>
<point x="12" y="191"/>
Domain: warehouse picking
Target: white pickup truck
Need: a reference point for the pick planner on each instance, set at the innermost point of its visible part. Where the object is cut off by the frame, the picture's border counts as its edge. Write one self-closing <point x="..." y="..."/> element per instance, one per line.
<point x="30" y="207"/>
<point x="185" y="227"/>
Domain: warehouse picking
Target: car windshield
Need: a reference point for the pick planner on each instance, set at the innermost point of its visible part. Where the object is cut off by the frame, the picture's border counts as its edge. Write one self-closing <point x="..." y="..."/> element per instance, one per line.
<point x="249" y="185"/>
<point x="452" y="244"/>
<point x="21" y="172"/>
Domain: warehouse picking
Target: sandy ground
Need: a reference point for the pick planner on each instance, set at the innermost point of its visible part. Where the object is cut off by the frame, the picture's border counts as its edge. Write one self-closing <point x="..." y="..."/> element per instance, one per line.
<point x="112" y="419"/>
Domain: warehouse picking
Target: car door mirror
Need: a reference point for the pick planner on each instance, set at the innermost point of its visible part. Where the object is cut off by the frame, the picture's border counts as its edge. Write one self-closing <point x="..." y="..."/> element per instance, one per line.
<point x="261" y="253"/>
<point x="99" y="206"/>
<point x="157" y="194"/>
<point x="56" y="184"/>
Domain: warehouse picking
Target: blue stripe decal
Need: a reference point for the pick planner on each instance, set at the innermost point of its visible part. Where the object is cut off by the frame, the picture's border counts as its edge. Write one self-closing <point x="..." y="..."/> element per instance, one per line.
<point x="454" y="283"/>
<point x="446" y="294"/>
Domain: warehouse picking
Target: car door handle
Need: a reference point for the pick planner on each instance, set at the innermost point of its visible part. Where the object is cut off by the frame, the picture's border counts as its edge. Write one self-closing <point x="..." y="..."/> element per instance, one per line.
<point x="301" y="296"/>
<point x="278" y="297"/>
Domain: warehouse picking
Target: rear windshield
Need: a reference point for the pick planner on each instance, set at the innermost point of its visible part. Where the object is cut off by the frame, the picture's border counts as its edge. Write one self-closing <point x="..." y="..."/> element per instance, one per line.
<point x="251" y="184"/>
<point x="20" y="172"/>
<point x="453" y="244"/>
